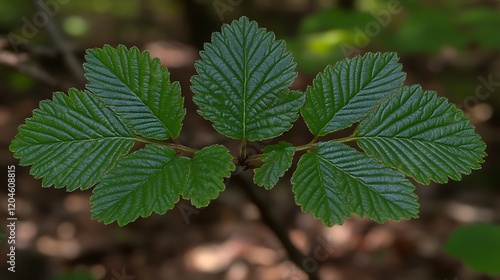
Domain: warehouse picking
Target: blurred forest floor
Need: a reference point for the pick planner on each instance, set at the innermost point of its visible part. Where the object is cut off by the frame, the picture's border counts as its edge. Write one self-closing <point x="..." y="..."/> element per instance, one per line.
<point x="227" y="239"/>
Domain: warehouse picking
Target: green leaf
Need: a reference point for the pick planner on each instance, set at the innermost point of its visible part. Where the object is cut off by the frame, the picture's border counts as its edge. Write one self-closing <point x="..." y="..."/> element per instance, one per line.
<point x="343" y="94"/>
<point x="242" y="83"/>
<point x="75" y="275"/>
<point x="148" y="180"/>
<point x="209" y="167"/>
<point x="277" y="160"/>
<point x="71" y="140"/>
<point x="421" y="135"/>
<point x="478" y="246"/>
<point x="138" y="89"/>
<point x="335" y="180"/>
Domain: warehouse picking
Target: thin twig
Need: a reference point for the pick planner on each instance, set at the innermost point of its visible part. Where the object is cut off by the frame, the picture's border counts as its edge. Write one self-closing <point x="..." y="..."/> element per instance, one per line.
<point x="270" y="220"/>
<point x="18" y="62"/>
<point x="72" y="62"/>
<point x="243" y="150"/>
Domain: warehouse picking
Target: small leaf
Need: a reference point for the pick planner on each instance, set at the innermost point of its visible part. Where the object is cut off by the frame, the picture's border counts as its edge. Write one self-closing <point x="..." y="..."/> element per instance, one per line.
<point x="421" y="135"/>
<point x="277" y="160"/>
<point x="138" y="89"/>
<point x="343" y="94"/>
<point x="71" y="140"/>
<point x="148" y="180"/>
<point x="209" y="167"/>
<point x="242" y="83"/>
<point x="478" y="246"/>
<point x="335" y="180"/>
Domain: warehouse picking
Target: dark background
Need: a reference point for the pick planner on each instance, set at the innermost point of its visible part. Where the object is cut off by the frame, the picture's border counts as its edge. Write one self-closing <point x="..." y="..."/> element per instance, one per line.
<point x="452" y="47"/>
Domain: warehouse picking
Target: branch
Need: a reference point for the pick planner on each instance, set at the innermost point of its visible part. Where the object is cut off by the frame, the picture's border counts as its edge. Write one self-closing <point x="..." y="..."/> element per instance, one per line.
<point x="18" y="62"/>
<point x="270" y="220"/>
<point x="57" y="38"/>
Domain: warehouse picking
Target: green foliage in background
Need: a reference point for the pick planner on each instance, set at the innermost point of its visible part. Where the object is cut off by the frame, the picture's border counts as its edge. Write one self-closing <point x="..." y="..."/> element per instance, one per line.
<point x="82" y="139"/>
<point x="410" y="27"/>
<point x="478" y="246"/>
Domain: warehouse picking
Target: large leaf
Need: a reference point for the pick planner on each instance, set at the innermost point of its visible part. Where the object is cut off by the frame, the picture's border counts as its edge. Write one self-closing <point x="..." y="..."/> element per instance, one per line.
<point x="71" y="140"/>
<point x="242" y="83"/>
<point x="335" y="180"/>
<point x="148" y="180"/>
<point x="478" y="246"/>
<point x="276" y="159"/>
<point x="209" y="167"/>
<point x="421" y="135"/>
<point x="138" y="88"/>
<point x="343" y="94"/>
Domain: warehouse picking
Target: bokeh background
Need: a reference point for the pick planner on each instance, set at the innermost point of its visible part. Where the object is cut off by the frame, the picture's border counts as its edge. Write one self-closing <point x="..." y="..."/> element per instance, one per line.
<point x="451" y="46"/>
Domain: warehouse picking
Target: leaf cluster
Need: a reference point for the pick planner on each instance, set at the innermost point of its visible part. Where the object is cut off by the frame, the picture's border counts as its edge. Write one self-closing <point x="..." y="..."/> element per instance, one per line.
<point x="82" y="139"/>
